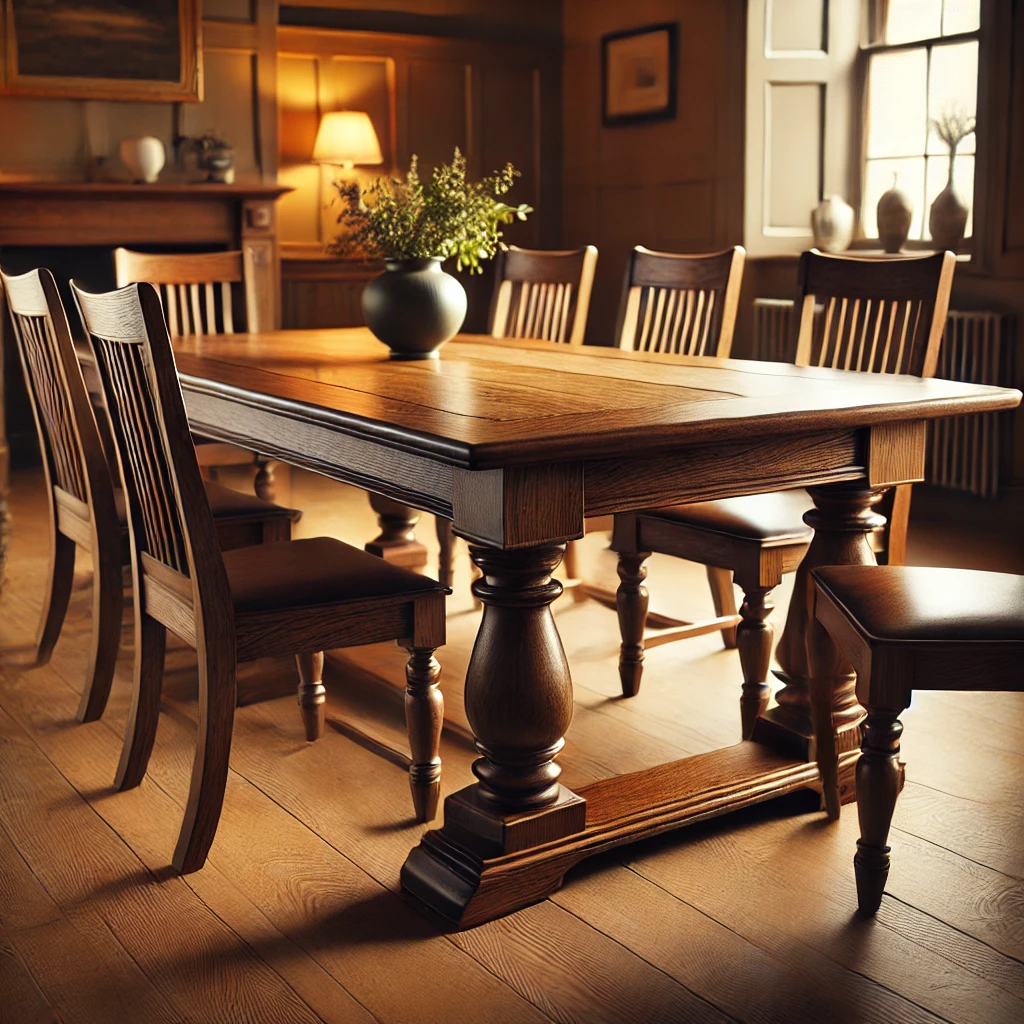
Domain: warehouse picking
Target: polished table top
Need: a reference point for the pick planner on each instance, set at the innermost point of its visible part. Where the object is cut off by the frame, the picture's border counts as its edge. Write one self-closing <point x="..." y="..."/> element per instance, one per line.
<point x="487" y="403"/>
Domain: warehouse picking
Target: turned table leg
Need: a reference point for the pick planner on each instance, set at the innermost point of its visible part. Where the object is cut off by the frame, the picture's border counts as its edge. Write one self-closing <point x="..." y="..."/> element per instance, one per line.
<point x="842" y="520"/>
<point x="397" y="541"/>
<point x="519" y="704"/>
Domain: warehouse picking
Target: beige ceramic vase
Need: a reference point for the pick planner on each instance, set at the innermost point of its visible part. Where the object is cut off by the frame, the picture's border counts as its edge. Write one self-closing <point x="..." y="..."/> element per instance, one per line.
<point x="895" y="212"/>
<point x="947" y="220"/>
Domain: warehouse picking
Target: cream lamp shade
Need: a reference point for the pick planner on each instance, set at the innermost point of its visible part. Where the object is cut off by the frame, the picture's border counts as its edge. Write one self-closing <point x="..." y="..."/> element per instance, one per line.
<point x="347" y="138"/>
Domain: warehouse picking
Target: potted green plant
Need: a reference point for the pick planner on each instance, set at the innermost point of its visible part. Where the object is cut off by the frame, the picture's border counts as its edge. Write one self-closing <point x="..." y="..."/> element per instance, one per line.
<point x="414" y="307"/>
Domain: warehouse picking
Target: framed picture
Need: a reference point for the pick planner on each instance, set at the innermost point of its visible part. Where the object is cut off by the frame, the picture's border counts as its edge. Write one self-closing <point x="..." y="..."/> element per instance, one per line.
<point x="638" y="75"/>
<point x="103" y="49"/>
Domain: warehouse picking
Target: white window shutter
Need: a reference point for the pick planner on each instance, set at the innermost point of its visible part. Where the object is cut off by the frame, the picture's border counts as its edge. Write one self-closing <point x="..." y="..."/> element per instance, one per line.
<point x="801" y="96"/>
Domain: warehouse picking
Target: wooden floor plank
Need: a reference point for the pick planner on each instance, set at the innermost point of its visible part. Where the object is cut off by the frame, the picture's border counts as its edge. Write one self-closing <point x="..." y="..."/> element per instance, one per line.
<point x="789" y="983"/>
<point x="297" y="915"/>
<point x="313" y="899"/>
<point x="989" y="833"/>
<point x="808" y="910"/>
<point x="967" y="895"/>
<point x="576" y="975"/>
<point x="21" y="998"/>
<point x="79" y="860"/>
<point x="76" y="961"/>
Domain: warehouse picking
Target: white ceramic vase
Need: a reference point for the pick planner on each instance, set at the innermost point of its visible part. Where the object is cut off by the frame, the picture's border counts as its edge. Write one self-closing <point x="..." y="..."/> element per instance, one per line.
<point x="143" y="157"/>
<point x="832" y="224"/>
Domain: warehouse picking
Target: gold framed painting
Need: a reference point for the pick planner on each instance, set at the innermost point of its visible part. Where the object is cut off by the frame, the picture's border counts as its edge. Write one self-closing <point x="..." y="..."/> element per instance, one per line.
<point x="103" y="49"/>
<point x="638" y="75"/>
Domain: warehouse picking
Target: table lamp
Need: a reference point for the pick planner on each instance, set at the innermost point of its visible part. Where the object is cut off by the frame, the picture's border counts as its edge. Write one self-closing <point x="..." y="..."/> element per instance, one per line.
<point x="347" y="138"/>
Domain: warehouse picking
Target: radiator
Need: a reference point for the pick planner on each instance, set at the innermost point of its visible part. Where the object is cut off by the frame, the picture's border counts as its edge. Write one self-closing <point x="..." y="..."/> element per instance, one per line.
<point x="774" y="330"/>
<point x="965" y="452"/>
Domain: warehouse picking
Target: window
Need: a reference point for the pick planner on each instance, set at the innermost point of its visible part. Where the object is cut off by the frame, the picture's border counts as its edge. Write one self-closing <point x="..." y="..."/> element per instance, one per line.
<point x="923" y="65"/>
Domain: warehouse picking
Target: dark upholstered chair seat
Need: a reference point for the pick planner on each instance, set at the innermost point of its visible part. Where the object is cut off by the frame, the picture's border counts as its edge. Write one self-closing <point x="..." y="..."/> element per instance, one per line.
<point x="228" y="505"/>
<point x="775" y="517"/>
<point x="900" y="604"/>
<point x="317" y="571"/>
<point x="902" y="630"/>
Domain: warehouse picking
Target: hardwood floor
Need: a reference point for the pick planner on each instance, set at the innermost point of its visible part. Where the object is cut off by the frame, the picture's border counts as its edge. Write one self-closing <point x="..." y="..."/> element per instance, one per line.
<point x="297" y="916"/>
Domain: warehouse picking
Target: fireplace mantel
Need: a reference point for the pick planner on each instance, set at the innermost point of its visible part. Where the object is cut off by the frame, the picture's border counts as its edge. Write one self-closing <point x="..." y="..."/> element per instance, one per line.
<point x="70" y="214"/>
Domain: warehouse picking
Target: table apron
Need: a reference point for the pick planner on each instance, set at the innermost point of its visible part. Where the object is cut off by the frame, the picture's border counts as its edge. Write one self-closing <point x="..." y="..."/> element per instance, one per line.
<point x="523" y="505"/>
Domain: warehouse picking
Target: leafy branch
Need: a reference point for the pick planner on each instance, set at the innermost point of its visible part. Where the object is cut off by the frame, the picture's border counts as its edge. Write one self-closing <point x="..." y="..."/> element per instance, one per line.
<point x="451" y="217"/>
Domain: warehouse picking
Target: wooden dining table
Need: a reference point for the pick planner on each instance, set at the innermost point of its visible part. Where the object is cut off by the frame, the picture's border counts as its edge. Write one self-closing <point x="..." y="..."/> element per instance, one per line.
<point x="517" y="442"/>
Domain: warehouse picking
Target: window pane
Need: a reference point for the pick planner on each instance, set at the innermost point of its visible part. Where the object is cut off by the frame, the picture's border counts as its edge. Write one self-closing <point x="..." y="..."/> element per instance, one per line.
<point x="953" y="87"/>
<point x="897" y="105"/>
<point x="909" y="179"/>
<point x="963" y="178"/>
<point x="961" y="16"/>
<point x="913" y="19"/>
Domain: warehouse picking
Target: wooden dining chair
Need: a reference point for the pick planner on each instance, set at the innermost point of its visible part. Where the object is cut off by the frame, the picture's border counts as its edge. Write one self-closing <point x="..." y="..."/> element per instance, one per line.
<point x="302" y="595"/>
<point x="677" y="304"/>
<point x="905" y="629"/>
<point x="86" y="504"/>
<point x="200" y="295"/>
<point x="541" y="294"/>
<point x="875" y="316"/>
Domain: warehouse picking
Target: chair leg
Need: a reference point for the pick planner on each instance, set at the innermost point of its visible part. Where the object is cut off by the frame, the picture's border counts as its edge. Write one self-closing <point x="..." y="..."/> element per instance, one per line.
<point x="424" y="716"/>
<point x="107" y="613"/>
<point x="264" y="483"/>
<point x="312" y="694"/>
<point x="571" y="564"/>
<point x="140" y="729"/>
<point x="446" y="538"/>
<point x="631" y="604"/>
<point x="878" y="785"/>
<point x="217" y="699"/>
<point x="724" y="597"/>
<point x="55" y="604"/>
<point x="754" y="640"/>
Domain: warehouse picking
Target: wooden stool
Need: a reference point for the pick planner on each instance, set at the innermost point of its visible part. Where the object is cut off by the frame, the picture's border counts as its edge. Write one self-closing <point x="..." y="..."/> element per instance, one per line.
<point x="906" y="629"/>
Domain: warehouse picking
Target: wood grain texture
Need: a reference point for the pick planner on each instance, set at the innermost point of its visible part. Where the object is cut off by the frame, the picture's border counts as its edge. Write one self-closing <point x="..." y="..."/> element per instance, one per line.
<point x="305" y="906"/>
<point x="342" y="379"/>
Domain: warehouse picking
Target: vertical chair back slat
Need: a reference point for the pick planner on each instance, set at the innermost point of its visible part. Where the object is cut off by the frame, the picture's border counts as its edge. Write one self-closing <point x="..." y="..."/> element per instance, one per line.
<point x="186" y="282"/>
<point x="167" y="505"/>
<point x="73" y="456"/>
<point x="876" y="316"/>
<point x="543" y="295"/>
<point x="680" y="304"/>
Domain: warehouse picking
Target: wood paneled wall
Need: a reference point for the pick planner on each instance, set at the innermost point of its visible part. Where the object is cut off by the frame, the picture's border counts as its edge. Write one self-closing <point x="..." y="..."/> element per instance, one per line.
<point x="675" y="185"/>
<point x="496" y="102"/>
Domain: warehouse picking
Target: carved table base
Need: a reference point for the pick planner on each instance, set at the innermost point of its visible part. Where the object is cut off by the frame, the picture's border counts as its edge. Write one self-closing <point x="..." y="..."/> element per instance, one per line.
<point x="508" y="840"/>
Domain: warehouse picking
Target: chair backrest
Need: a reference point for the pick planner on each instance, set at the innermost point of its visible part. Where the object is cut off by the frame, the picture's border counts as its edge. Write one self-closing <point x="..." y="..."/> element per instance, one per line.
<point x="543" y="294"/>
<point x="73" y="456"/>
<point x="196" y="288"/>
<point x="168" y="512"/>
<point x="679" y="303"/>
<point x="874" y="315"/>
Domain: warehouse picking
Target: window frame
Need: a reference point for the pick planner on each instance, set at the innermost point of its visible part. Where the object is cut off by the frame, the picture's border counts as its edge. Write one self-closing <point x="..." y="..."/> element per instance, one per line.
<point x="864" y="56"/>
